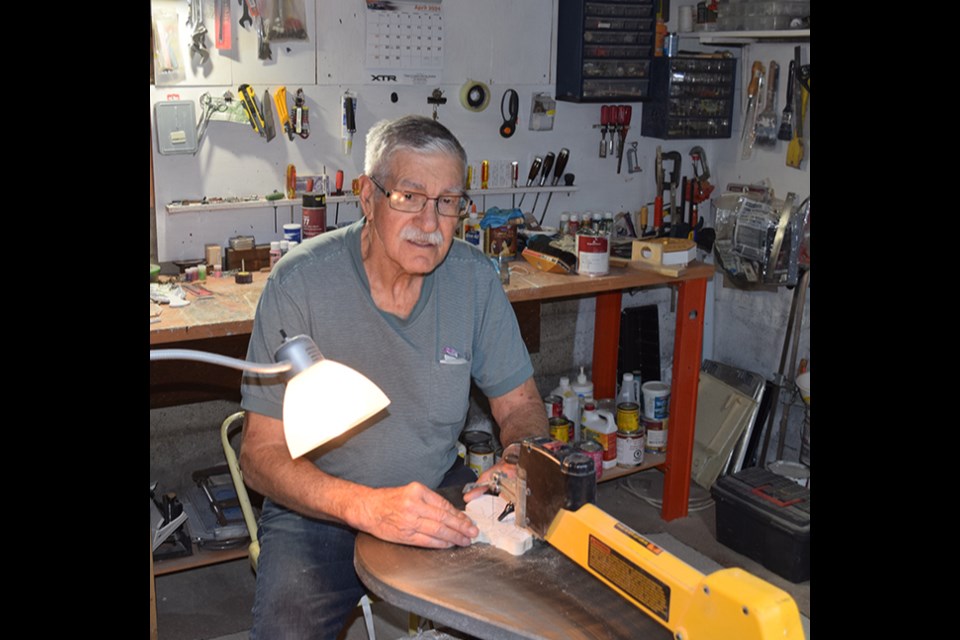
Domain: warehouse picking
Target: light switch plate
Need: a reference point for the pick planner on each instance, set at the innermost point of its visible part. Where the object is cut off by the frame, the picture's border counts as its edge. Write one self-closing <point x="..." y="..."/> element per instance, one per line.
<point x="176" y="127"/>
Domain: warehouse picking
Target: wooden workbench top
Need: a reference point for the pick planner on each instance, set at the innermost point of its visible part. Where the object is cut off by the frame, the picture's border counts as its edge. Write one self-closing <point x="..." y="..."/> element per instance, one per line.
<point x="231" y="309"/>
<point x="229" y="312"/>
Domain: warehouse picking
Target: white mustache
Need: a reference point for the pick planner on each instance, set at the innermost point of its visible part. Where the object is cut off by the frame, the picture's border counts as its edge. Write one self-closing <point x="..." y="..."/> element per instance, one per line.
<point x="413" y="235"/>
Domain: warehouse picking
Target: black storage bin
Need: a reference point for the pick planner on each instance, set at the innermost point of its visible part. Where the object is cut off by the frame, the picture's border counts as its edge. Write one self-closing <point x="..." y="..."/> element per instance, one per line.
<point x="765" y="517"/>
<point x="604" y="50"/>
<point x="691" y="97"/>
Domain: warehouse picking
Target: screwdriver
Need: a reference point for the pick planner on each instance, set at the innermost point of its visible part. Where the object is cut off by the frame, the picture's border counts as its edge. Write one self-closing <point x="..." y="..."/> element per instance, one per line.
<point x="547" y="165"/>
<point x="604" y="123"/>
<point x="624" y="113"/>
<point x="558" y="168"/>
<point x="534" y="170"/>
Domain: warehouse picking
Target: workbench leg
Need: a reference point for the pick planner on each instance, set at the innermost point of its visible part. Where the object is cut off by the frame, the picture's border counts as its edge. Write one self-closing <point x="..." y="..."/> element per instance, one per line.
<point x="687" y="353"/>
<point x="153" y="596"/>
<point x="606" y="344"/>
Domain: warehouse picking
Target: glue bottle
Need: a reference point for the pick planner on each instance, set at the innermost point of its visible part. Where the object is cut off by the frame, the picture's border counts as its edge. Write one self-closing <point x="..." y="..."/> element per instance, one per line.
<point x="584" y="390"/>
<point x="472" y="232"/>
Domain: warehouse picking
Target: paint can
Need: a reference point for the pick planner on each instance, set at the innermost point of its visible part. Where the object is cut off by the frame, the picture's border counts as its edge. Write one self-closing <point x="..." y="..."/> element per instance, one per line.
<point x="593" y="449"/>
<point x="480" y="457"/>
<point x="628" y="417"/>
<point x="314" y="215"/>
<point x="593" y="254"/>
<point x="470" y="438"/>
<point x="656" y="400"/>
<point x="655" y="432"/>
<point x="561" y="429"/>
<point x="501" y="241"/>
<point x="553" y="405"/>
<point x="292" y="232"/>
<point x="629" y="448"/>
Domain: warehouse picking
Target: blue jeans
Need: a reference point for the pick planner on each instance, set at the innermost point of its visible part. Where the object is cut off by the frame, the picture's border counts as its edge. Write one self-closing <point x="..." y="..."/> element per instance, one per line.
<point x="306" y="584"/>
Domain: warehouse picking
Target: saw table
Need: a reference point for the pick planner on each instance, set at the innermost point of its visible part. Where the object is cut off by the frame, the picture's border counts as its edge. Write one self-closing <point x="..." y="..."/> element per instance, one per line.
<point x="488" y="593"/>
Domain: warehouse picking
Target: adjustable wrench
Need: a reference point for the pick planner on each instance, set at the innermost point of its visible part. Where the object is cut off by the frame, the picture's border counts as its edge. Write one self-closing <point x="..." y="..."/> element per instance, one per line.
<point x="246" y="14"/>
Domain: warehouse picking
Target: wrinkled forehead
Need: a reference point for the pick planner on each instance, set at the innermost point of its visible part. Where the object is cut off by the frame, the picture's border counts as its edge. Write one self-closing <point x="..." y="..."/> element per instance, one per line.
<point x="425" y="171"/>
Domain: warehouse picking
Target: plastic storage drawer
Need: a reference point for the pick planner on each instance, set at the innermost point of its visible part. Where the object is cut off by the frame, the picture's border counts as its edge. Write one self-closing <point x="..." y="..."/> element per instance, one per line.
<point x="766" y="517"/>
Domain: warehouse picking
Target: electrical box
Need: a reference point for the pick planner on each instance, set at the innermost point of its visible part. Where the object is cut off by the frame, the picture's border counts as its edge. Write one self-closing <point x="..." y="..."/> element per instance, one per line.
<point x="604" y="50"/>
<point x="691" y="97"/>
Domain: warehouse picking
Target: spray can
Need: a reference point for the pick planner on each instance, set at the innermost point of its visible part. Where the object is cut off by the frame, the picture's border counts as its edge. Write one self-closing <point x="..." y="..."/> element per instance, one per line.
<point x="314" y="215"/>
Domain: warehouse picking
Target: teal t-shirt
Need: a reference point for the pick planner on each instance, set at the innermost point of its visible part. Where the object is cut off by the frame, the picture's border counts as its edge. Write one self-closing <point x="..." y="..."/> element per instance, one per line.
<point x="320" y="289"/>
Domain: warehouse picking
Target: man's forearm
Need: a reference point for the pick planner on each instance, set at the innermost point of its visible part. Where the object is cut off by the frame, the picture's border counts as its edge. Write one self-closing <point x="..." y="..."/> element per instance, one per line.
<point x="524" y="422"/>
<point x="520" y="414"/>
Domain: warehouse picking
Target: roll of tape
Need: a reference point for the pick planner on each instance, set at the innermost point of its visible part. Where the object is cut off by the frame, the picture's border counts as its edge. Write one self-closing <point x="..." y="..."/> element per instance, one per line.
<point x="474" y="96"/>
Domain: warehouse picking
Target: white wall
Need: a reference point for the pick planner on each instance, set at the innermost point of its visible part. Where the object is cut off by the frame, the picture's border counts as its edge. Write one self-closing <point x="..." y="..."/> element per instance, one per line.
<point x="501" y="43"/>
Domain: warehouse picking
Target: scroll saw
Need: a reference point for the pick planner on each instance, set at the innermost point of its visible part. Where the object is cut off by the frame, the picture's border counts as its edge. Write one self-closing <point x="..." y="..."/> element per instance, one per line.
<point x="554" y="494"/>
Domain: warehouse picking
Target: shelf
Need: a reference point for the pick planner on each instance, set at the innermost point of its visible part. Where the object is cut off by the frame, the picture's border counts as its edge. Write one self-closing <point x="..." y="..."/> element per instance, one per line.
<point x="200" y="558"/>
<point x="261" y="203"/>
<point x="650" y="460"/>
<point x="737" y="38"/>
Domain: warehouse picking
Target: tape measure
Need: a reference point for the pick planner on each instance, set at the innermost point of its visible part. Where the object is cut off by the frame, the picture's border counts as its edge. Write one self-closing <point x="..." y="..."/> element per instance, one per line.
<point x="474" y="96"/>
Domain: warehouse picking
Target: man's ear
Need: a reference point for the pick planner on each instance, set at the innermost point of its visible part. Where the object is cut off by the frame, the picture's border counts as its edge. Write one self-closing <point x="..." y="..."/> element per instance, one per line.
<point x="368" y="191"/>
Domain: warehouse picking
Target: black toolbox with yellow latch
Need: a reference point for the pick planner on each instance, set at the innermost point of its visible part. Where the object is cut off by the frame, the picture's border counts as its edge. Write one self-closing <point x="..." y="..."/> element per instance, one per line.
<point x="765" y="517"/>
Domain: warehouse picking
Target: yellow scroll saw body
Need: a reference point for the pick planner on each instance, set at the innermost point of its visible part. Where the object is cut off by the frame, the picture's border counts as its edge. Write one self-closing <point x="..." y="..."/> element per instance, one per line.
<point x="554" y="495"/>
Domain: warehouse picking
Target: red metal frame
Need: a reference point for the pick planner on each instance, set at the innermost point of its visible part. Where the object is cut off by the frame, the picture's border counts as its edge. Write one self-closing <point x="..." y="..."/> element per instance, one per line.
<point x="687" y="352"/>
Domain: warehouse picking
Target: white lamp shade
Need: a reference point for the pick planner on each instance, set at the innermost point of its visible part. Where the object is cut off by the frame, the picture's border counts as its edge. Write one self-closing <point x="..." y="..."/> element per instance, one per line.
<point x="325" y="401"/>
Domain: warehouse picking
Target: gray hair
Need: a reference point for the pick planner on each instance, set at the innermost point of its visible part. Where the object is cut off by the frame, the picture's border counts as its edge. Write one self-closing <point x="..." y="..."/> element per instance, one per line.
<point x="412" y="133"/>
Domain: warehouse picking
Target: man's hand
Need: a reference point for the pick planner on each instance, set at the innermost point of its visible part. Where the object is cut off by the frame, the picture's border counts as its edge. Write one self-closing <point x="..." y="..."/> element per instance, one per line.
<point x="414" y="515"/>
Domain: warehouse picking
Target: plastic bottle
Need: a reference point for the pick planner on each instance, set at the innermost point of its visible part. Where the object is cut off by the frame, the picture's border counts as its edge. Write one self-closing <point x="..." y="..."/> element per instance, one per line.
<point x="275" y="254"/>
<point x="628" y="389"/>
<point x="608" y="223"/>
<point x="659" y="35"/>
<point x="600" y="425"/>
<point x="571" y="403"/>
<point x="472" y="232"/>
<point x="584" y="389"/>
<point x="564" y="224"/>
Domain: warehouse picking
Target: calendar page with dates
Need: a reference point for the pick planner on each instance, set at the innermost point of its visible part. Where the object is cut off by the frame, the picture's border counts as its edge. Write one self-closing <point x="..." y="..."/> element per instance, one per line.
<point x="405" y="41"/>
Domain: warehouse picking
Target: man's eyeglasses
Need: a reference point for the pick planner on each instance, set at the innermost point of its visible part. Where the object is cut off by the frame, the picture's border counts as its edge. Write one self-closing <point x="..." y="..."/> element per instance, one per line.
<point x="450" y="205"/>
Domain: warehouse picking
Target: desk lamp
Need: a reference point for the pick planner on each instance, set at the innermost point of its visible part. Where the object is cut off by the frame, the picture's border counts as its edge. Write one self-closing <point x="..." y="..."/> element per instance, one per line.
<point x="323" y="398"/>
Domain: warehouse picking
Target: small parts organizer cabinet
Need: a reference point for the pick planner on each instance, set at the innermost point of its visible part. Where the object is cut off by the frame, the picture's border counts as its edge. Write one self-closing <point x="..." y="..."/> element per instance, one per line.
<point x="690" y="97"/>
<point x="604" y="50"/>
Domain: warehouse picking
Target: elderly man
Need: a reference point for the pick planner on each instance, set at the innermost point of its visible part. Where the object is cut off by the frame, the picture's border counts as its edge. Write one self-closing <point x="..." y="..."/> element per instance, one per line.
<point x="397" y="298"/>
